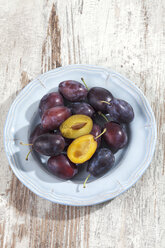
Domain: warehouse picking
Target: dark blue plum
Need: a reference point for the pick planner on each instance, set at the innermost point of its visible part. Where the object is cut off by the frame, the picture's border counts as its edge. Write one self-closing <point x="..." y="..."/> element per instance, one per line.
<point x="95" y="97"/>
<point x="49" y="144"/>
<point x="38" y="130"/>
<point x="82" y="108"/>
<point x="62" y="167"/>
<point x="73" y="91"/>
<point x="102" y="162"/>
<point x="50" y="100"/>
<point x="115" y="136"/>
<point x="54" y="117"/>
<point x="120" y="111"/>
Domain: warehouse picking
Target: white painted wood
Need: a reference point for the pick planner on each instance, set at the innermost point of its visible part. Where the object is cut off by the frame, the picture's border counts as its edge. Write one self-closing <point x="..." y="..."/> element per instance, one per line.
<point x="125" y="35"/>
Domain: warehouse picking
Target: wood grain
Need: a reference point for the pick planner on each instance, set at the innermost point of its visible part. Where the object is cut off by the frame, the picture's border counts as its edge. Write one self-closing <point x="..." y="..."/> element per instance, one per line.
<point x="127" y="36"/>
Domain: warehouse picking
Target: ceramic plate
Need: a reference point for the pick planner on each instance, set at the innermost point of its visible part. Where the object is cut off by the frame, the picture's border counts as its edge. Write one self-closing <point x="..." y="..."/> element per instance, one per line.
<point x="131" y="162"/>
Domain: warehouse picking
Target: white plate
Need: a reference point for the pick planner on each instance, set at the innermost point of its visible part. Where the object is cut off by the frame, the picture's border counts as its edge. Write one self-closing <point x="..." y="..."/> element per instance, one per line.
<point x="131" y="162"/>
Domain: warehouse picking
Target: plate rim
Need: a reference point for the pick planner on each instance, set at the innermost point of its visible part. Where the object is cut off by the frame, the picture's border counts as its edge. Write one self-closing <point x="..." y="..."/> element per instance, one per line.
<point x="128" y="186"/>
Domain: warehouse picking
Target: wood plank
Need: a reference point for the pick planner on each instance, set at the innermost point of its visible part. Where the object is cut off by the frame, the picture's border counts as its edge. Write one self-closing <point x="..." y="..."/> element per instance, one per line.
<point x="127" y="36"/>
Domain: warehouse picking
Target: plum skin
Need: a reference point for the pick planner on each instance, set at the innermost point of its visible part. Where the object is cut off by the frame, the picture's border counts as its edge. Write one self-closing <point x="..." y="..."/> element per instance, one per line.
<point x="62" y="167"/>
<point x="102" y="161"/>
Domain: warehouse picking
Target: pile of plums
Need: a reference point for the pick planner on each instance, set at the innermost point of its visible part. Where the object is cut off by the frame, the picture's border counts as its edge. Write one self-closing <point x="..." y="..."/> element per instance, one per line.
<point x="69" y="134"/>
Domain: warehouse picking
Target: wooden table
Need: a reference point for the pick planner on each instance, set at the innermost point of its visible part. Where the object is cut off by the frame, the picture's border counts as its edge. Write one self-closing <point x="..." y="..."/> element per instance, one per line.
<point x="125" y="35"/>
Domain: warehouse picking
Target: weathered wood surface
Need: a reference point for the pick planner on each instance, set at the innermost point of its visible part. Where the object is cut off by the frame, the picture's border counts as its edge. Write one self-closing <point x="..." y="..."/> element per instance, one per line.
<point x="125" y="35"/>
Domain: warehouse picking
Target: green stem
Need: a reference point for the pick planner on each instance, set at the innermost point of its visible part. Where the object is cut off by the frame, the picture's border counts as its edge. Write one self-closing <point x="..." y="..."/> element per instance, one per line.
<point x="85" y="83"/>
<point x="101" y="133"/>
<point x="84" y="185"/>
<point x="106" y="102"/>
<point x="103" y="116"/>
<point x="28" y="154"/>
<point x="23" y="144"/>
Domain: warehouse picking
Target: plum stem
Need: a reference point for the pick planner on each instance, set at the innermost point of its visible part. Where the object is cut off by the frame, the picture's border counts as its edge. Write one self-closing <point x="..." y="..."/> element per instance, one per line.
<point x="28" y="154"/>
<point x="101" y="133"/>
<point x="23" y="144"/>
<point x="106" y="102"/>
<point x="84" y="185"/>
<point x="103" y="116"/>
<point x="84" y="83"/>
